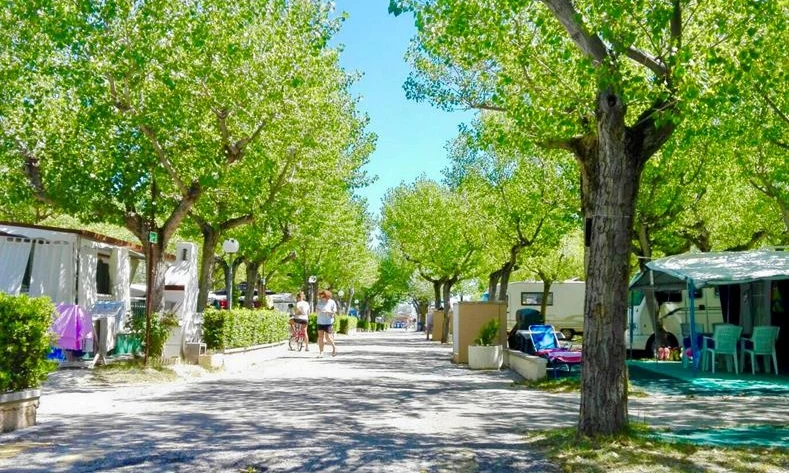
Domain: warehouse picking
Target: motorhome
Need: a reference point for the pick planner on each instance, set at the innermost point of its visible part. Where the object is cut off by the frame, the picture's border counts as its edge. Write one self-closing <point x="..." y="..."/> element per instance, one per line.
<point x="673" y="311"/>
<point x="564" y="307"/>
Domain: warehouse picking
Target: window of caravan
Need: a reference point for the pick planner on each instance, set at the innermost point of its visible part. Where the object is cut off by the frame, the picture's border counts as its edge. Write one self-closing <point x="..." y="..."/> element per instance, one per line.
<point x="103" y="275"/>
<point x="535" y="298"/>
<point x="674" y="296"/>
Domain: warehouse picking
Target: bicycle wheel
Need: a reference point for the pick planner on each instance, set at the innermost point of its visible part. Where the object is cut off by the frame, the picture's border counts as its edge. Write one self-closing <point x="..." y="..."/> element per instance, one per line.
<point x="300" y="343"/>
<point x="293" y="342"/>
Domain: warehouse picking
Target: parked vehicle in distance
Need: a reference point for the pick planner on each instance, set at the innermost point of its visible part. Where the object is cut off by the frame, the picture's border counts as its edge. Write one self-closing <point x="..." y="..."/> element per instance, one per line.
<point x="673" y="311"/>
<point x="564" y="308"/>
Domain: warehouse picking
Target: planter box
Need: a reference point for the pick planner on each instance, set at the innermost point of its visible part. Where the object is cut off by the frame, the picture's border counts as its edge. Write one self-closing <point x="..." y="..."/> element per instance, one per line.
<point x="485" y="358"/>
<point x="529" y="366"/>
<point x="18" y="409"/>
<point x="243" y="358"/>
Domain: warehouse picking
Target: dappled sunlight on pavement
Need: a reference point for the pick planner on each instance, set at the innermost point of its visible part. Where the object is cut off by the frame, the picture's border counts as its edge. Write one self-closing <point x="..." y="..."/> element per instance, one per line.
<point x="388" y="402"/>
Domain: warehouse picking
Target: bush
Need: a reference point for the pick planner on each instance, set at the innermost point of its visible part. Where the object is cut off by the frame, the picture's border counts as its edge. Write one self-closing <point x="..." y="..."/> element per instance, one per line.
<point x="362" y="325"/>
<point x="380" y="327"/>
<point x="25" y="341"/>
<point x="488" y="333"/>
<point x="161" y="325"/>
<point x="345" y="323"/>
<point x="239" y="328"/>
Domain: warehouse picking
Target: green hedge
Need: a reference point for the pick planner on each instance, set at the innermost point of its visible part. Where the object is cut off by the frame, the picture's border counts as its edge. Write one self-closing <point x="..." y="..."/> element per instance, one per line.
<point x="345" y="323"/>
<point x="239" y="328"/>
<point x="25" y="341"/>
<point x="380" y="327"/>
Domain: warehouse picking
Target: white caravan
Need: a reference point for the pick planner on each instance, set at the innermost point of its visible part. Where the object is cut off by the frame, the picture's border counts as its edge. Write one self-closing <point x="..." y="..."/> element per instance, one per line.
<point x="673" y="310"/>
<point x="564" y="308"/>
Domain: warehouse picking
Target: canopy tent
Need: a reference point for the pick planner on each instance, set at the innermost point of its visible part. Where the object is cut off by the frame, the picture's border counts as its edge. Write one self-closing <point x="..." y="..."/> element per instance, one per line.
<point x="714" y="269"/>
<point x="692" y="271"/>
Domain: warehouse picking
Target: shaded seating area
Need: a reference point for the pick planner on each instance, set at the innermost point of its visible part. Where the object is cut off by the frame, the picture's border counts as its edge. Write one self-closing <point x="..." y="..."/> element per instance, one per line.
<point x="544" y="342"/>
<point x="753" y="288"/>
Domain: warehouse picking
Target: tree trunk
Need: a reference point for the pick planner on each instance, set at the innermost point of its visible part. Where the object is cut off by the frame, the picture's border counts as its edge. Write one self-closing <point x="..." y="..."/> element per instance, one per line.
<point x="252" y="280"/>
<point x="611" y="169"/>
<point x="493" y="281"/>
<point x="210" y="240"/>
<point x="505" y="281"/>
<point x="546" y="290"/>
<point x="437" y="292"/>
<point x="447" y="310"/>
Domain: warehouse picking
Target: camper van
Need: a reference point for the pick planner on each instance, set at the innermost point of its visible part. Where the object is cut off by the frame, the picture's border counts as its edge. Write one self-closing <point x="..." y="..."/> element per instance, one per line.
<point x="673" y="311"/>
<point x="564" y="308"/>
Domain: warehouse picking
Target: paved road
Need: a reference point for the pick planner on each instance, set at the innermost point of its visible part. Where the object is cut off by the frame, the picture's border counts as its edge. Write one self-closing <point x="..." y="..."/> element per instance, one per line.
<point x="388" y="402"/>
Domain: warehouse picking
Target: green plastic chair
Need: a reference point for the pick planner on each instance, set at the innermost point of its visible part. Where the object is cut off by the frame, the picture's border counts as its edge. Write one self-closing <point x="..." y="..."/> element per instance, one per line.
<point x="724" y="341"/>
<point x="761" y="343"/>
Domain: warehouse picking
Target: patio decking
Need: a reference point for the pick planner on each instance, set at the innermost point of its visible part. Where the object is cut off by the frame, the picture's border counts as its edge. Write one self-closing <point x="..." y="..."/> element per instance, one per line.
<point x="669" y="377"/>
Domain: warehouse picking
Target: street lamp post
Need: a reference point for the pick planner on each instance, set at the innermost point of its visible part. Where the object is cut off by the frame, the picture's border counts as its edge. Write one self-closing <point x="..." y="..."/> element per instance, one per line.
<point x="340" y="293"/>
<point x="230" y="247"/>
<point x="312" y="280"/>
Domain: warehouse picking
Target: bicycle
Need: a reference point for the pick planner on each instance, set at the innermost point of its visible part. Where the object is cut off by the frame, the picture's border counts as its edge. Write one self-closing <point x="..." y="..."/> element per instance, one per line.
<point x="298" y="336"/>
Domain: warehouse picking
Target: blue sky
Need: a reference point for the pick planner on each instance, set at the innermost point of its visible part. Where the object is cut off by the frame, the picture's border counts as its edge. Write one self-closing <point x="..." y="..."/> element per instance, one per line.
<point x="411" y="135"/>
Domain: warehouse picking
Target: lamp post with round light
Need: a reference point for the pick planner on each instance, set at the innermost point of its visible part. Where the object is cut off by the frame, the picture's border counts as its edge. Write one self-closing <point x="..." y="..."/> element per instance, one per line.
<point x="312" y="280"/>
<point x="230" y="247"/>
<point x="340" y="294"/>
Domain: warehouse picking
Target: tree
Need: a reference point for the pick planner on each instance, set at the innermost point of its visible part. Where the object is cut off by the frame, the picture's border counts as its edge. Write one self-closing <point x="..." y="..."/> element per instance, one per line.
<point x="563" y="262"/>
<point x="443" y="254"/>
<point x="607" y="81"/>
<point x="526" y="200"/>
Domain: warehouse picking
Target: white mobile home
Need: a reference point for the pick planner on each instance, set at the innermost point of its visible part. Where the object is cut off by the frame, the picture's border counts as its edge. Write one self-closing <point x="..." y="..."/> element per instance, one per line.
<point x="85" y="268"/>
<point x="564" y="306"/>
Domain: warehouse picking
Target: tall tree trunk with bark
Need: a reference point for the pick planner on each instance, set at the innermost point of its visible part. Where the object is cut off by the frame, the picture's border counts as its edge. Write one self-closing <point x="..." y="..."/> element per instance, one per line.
<point x="611" y="166"/>
<point x="207" y="259"/>
<point x="252" y="280"/>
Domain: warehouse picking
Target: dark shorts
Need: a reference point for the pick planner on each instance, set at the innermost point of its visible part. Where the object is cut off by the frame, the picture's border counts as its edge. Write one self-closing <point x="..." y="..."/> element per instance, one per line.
<point x="326" y="328"/>
<point x="299" y="320"/>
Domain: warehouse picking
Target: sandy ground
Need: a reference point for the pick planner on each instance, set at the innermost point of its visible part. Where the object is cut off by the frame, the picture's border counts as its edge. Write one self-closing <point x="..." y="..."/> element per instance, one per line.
<point x="388" y="402"/>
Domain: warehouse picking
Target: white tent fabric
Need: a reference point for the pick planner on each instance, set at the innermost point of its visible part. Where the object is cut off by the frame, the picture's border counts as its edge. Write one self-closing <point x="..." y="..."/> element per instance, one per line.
<point x="722" y="268"/>
<point x="120" y="276"/>
<point x="52" y="274"/>
<point x="88" y="291"/>
<point x="14" y="253"/>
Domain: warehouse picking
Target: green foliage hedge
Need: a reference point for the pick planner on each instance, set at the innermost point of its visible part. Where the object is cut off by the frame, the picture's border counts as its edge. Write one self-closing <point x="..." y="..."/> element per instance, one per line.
<point x="344" y="323"/>
<point x="161" y="324"/>
<point x="25" y="341"/>
<point x="239" y="328"/>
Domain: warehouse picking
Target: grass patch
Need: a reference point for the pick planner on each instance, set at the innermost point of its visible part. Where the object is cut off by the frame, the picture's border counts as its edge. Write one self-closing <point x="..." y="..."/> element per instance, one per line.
<point x="567" y="384"/>
<point x="638" y="451"/>
<point x="551" y="384"/>
<point x="133" y="371"/>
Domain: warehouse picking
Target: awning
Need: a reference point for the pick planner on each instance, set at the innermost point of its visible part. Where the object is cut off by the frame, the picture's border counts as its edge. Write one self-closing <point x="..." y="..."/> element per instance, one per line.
<point x="714" y="269"/>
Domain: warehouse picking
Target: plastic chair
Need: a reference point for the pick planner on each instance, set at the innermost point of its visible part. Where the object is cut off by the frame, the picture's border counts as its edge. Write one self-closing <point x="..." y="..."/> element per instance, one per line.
<point x="724" y="341"/>
<point x="761" y="343"/>
<point x="545" y="343"/>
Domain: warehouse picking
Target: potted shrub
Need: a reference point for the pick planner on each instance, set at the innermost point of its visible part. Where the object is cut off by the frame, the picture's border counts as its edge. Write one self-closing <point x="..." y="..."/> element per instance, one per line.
<point x="485" y="354"/>
<point x="25" y="341"/>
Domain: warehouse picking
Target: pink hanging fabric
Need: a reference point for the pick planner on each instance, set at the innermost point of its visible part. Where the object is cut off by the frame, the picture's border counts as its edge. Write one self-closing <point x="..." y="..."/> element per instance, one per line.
<point x="72" y="326"/>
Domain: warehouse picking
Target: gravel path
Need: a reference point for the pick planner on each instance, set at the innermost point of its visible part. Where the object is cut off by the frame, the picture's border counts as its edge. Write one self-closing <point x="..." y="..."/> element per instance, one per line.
<point x="390" y="402"/>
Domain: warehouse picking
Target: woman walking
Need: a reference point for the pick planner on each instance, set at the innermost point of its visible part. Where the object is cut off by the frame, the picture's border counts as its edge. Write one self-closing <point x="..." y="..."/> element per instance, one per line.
<point x="326" y="309"/>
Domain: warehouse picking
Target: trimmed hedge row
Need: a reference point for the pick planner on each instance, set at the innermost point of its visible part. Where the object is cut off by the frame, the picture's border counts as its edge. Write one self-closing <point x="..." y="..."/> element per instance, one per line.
<point x="371" y="326"/>
<point x="238" y="328"/>
<point x="25" y="341"/>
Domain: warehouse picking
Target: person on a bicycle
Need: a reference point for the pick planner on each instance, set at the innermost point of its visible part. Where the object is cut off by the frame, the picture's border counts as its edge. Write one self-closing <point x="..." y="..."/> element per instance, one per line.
<point x="300" y="318"/>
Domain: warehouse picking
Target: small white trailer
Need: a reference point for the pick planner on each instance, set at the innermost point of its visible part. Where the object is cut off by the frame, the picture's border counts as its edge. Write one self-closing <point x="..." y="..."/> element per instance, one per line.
<point x="564" y="305"/>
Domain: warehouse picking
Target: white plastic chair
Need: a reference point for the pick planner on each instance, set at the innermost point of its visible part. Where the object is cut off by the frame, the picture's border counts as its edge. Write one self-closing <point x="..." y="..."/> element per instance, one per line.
<point x="761" y="343"/>
<point x="724" y="341"/>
